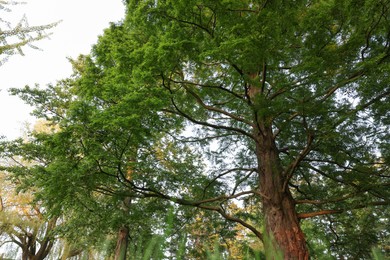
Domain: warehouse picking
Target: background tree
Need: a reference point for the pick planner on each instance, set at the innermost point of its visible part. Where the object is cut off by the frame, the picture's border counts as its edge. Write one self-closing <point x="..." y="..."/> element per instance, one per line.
<point x="286" y="102"/>
<point x="23" y="224"/>
<point x="14" y="37"/>
<point x="105" y="172"/>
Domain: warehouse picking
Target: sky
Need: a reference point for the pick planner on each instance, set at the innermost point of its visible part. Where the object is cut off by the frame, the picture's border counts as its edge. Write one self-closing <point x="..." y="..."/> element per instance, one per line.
<point x="82" y="22"/>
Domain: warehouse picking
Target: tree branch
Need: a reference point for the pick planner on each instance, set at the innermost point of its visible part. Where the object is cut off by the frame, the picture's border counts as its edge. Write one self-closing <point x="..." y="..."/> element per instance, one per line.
<point x="190" y="23"/>
<point x="293" y="166"/>
<point x="240" y="221"/>
<point x="337" y="211"/>
<point x="195" y="121"/>
<point x="372" y="101"/>
<point x="318" y="213"/>
<point x="231" y="218"/>
<point x="214" y="109"/>
<point x="47" y="243"/>
<point x="321" y="202"/>
<point x="330" y="91"/>
<point x="225" y="173"/>
<point x="200" y="204"/>
<point x="209" y="86"/>
<point x="214" y="126"/>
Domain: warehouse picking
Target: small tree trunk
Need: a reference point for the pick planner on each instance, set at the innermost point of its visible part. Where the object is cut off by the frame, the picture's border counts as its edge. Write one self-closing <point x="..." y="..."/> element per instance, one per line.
<point x="29" y="247"/>
<point x="24" y="254"/>
<point x="122" y="243"/>
<point x="283" y="237"/>
<point x="68" y="251"/>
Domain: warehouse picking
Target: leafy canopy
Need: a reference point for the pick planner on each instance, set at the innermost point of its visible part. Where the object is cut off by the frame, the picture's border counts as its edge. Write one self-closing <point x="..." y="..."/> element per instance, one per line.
<point x="169" y="104"/>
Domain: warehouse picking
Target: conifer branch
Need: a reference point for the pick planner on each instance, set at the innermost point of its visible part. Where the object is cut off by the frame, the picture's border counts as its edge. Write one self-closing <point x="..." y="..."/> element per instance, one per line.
<point x="214" y="109"/>
<point x="338" y="211"/>
<point x="289" y="172"/>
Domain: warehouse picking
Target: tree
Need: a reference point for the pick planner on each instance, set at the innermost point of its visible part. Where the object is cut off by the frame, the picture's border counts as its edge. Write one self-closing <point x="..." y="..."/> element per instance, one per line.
<point x="287" y="103"/>
<point x="13" y="38"/>
<point x="23" y="224"/>
<point x="96" y="197"/>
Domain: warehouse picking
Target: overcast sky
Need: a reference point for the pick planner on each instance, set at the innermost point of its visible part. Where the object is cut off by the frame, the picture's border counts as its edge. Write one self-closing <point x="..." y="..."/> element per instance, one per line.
<point x="82" y="22"/>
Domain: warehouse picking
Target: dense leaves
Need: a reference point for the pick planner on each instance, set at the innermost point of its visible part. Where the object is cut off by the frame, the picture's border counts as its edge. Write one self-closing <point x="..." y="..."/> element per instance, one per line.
<point x="279" y="109"/>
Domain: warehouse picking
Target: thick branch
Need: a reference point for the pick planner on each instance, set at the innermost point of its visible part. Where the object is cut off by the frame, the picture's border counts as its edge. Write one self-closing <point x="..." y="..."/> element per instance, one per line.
<point x="293" y="166"/>
<point x="240" y="221"/>
<point x="318" y="213"/>
<point x="337" y="211"/>
<point x="47" y="243"/>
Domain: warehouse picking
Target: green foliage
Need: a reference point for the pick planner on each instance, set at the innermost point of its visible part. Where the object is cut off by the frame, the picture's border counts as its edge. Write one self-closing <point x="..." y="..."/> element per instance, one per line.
<point x="377" y="254"/>
<point x="159" y="246"/>
<point x="185" y="102"/>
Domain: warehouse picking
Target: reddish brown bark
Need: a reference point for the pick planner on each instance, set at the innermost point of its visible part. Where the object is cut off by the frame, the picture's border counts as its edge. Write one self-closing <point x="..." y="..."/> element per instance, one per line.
<point x="318" y="213"/>
<point x="281" y="219"/>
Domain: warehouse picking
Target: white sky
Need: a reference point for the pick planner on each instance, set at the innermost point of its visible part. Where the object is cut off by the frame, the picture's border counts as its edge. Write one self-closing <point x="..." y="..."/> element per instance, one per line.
<point x="82" y="22"/>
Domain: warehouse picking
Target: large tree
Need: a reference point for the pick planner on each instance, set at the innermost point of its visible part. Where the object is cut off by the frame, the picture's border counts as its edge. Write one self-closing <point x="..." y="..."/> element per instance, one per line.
<point x="286" y="101"/>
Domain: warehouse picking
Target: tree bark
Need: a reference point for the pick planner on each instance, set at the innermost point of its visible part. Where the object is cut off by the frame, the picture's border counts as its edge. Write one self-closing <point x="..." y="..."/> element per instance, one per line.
<point x="122" y="243"/>
<point x="69" y="251"/>
<point x="283" y="235"/>
<point x="28" y="246"/>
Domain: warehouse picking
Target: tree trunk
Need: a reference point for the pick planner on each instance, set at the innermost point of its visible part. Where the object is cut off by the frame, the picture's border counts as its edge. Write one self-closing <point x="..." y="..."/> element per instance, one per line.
<point x="69" y="251"/>
<point x="283" y="235"/>
<point x="24" y="254"/>
<point x="122" y="243"/>
<point x="29" y="247"/>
